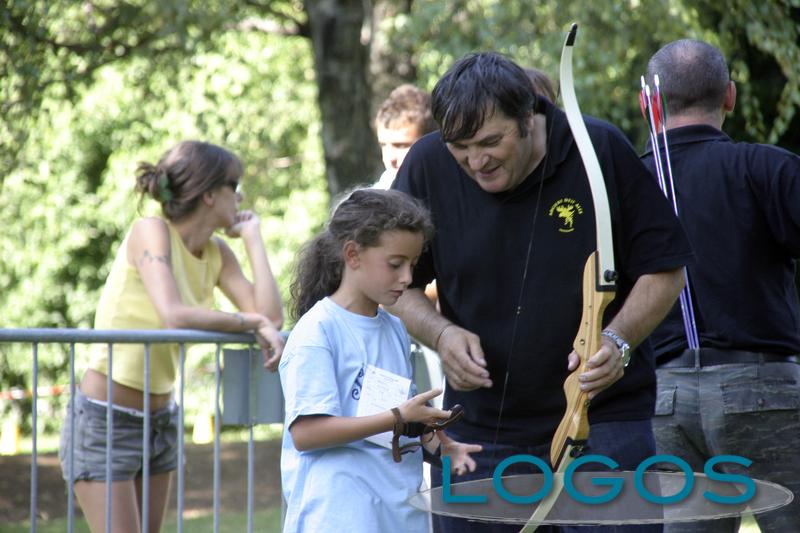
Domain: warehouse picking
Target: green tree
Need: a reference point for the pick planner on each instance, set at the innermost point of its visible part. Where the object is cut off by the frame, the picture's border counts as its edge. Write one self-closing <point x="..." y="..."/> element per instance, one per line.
<point x="89" y="88"/>
<point x="68" y="201"/>
<point x="55" y="49"/>
<point x="615" y="41"/>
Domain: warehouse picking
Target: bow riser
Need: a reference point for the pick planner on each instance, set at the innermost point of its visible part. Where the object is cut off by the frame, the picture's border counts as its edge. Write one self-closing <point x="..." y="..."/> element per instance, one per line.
<point x="574" y="427"/>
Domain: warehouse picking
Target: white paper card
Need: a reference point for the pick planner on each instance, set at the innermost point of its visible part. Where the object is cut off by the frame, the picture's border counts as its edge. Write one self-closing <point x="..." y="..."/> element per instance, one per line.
<point x="381" y="391"/>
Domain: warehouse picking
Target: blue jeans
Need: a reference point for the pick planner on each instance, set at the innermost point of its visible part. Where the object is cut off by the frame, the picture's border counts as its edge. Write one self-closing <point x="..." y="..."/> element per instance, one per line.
<point x="628" y="443"/>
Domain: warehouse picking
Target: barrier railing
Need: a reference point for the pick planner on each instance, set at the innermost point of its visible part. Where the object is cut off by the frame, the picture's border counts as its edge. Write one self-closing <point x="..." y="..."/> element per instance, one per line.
<point x="251" y="396"/>
<point x="37" y="337"/>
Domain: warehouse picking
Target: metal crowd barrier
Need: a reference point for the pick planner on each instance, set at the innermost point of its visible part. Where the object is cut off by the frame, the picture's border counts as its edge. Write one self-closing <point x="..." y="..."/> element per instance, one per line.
<point x="242" y="407"/>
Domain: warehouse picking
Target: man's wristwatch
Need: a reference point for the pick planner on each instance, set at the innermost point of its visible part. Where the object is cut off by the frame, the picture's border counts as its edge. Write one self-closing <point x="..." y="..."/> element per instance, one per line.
<point x="623" y="347"/>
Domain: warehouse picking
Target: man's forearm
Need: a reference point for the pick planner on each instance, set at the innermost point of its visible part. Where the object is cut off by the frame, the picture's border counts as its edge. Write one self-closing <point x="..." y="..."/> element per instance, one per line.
<point x="420" y="317"/>
<point x="648" y="303"/>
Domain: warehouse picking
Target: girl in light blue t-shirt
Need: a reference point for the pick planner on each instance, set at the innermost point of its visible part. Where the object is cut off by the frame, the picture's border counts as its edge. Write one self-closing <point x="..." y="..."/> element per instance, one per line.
<point x="345" y="358"/>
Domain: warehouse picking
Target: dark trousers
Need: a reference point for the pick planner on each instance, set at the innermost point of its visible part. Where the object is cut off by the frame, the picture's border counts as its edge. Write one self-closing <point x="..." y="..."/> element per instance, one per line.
<point x="628" y="443"/>
<point x="750" y="410"/>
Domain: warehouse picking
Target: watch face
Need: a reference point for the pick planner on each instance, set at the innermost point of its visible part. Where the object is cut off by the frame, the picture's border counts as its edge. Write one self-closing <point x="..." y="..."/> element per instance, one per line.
<point x="625" y="352"/>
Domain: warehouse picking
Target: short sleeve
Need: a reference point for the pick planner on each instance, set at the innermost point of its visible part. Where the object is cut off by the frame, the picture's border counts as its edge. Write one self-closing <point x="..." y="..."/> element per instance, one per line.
<point x="308" y="380"/>
<point x="778" y="192"/>
<point x="412" y="179"/>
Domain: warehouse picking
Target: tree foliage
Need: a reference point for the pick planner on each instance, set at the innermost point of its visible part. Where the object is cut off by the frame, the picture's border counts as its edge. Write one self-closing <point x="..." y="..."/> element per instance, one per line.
<point x="50" y="51"/>
<point x="615" y="41"/>
<point x="68" y="200"/>
<point x="89" y="88"/>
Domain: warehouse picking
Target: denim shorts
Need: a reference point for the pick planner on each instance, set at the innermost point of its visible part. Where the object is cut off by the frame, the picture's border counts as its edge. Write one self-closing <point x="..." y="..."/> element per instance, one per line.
<point x="127" y="453"/>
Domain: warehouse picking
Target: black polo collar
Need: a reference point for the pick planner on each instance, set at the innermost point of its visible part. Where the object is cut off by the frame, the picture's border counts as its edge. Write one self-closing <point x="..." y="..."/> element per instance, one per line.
<point x="691" y="134"/>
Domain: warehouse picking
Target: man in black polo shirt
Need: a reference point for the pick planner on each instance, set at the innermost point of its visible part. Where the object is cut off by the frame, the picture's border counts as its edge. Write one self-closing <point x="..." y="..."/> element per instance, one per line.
<point x="505" y="172"/>
<point x="740" y="206"/>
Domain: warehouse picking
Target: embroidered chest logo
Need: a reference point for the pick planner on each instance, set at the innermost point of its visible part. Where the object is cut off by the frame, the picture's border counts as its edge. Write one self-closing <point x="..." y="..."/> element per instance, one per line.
<point x="565" y="211"/>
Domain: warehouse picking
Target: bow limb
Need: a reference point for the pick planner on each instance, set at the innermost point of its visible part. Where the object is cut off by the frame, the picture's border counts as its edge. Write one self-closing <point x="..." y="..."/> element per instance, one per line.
<point x="599" y="286"/>
<point x="602" y="212"/>
<point x="599" y="275"/>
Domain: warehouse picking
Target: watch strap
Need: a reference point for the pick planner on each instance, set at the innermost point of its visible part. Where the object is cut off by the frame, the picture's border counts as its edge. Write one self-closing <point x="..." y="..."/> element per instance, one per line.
<point x="622" y="345"/>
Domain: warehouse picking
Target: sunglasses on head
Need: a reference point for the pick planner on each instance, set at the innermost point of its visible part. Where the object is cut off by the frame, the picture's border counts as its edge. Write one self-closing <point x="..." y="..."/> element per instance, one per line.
<point x="234" y="185"/>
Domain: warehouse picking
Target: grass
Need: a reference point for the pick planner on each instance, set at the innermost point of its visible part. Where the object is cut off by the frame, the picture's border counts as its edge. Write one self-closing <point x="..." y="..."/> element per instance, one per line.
<point x="268" y="521"/>
<point x="263" y="521"/>
<point x="749" y="525"/>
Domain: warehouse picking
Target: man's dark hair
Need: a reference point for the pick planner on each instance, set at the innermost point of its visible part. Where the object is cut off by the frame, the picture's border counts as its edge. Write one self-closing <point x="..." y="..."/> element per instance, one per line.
<point x="477" y="86"/>
<point x="693" y="75"/>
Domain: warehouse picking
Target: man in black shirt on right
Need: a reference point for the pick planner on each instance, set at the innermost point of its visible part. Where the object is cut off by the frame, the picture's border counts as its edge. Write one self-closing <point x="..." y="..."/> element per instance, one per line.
<point x="505" y="184"/>
<point x="739" y="393"/>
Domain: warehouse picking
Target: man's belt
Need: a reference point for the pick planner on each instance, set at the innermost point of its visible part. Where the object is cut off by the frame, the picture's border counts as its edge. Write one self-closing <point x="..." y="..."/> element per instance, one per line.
<point x="714" y="356"/>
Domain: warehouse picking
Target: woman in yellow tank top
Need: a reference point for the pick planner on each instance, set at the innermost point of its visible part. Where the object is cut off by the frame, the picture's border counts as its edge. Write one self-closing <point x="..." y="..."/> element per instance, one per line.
<point x="163" y="277"/>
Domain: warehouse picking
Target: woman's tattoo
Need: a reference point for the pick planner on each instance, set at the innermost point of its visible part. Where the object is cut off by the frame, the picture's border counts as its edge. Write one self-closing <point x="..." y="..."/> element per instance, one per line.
<point x="147" y="257"/>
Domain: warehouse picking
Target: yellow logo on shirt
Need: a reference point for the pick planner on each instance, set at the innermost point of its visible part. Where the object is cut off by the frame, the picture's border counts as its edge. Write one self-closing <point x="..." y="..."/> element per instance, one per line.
<point x="565" y="210"/>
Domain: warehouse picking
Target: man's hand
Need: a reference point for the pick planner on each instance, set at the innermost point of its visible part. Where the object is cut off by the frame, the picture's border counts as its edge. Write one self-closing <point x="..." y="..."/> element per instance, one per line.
<point x="603" y="368"/>
<point x="462" y="359"/>
<point x="459" y="453"/>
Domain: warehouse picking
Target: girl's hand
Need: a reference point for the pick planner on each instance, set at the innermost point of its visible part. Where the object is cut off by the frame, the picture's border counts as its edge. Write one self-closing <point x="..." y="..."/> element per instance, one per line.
<point x="245" y="224"/>
<point x="271" y="342"/>
<point x="416" y="410"/>
<point x="460" y="460"/>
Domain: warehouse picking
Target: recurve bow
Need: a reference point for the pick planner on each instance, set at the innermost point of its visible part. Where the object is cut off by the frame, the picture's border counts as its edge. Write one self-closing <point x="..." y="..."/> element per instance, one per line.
<point x="599" y="289"/>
